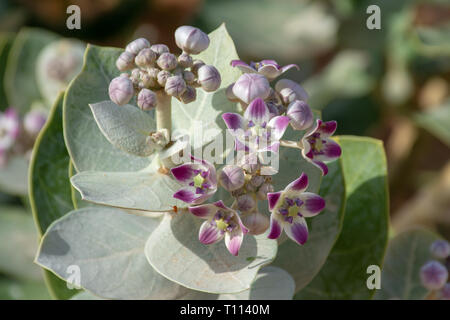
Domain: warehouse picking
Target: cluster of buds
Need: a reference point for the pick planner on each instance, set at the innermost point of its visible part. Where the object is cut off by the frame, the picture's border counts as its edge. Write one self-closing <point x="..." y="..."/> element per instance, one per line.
<point x="267" y="114"/>
<point x="286" y="99"/>
<point x="17" y="135"/>
<point x="435" y="273"/>
<point x="153" y="69"/>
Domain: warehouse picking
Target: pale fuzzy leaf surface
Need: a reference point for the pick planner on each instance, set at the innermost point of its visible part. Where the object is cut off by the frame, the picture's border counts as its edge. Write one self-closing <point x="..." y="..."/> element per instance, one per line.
<point x="13" y="177"/>
<point x="126" y="127"/>
<point x="304" y="262"/>
<point x="202" y="119"/>
<point x="363" y="239"/>
<point x="436" y="121"/>
<point x="18" y="244"/>
<point x="49" y="185"/>
<point x="405" y="255"/>
<point x="271" y="283"/>
<point x="20" y="81"/>
<point x="88" y="147"/>
<point x="174" y="250"/>
<point x="147" y="191"/>
<point x="108" y="246"/>
<point x="85" y="295"/>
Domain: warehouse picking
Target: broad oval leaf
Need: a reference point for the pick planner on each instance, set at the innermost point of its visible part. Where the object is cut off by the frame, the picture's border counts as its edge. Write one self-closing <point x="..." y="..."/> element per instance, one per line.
<point x="87" y="146"/>
<point x="174" y="251"/>
<point x="405" y="255"/>
<point x="201" y="119"/>
<point x="304" y="262"/>
<point x="107" y="245"/>
<point x="146" y="191"/>
<point x="363" y="239"/>
<point x="126" y="127"/>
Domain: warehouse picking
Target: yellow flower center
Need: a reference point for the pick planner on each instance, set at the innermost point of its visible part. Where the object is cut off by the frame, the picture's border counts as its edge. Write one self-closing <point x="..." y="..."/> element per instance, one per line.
<point x="318" y="145"/>
<point x="198" y="181"/>
<point x="293" y="211"/>
<point x="221" y="225"/>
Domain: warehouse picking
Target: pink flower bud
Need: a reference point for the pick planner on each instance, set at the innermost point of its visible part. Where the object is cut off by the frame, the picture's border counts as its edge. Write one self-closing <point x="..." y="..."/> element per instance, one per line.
<point x="175" y="86"/>
<point x="256" y="222"/>
<point x="264" y="190"/>
<point x="300" y="114"/>
<point x="433" y="275"/>
<point x="245" y="203"/>
<point x="250" y="86"/>
<point x="232" y="177"/>
<point x="137" y="45"/>
<point x="191" y="40"/>
<point x="162" y="77"/>
<point x="125" y="61"/>
<point x="188" y="76"/>
<point x="257" y="181"/>
<point x="290" y="91"/>
<point x="121" y="90"/>
<point x="230" y="95"/>
<point x="196" y="65"/>
<point x="185" y="60"/>
<point x="189" y="95"/>
<point x="146" y="99"/>
<point x="159" y="48"/>
<point x="167" y="61"/>
<point x="33" y="122"/>
<point x="440" y="249"/>
<point x="209" y="78"/>
<point x="145" y="58"/>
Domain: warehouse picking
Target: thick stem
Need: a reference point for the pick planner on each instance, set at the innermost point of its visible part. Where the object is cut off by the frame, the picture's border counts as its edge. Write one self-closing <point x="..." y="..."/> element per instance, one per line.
<point x="164" y="112"/>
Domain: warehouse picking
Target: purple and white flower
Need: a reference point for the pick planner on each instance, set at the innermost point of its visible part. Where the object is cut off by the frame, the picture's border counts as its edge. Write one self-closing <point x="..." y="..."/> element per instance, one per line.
<point x="318" y="147"/>
<point x="9" y="129"/>
<point x="268" y="68"/>
<point x="290" y="207"/>
<point x="251" y="86"/>
<point x="199" y="178"/>
<point x="221" y="222"/>
<point x="256" y="131"/>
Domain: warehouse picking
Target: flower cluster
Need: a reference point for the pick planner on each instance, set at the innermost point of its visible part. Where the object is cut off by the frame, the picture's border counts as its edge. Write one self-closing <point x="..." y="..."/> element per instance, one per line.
<point x="267" y="114"/>
<point x="153" y="68"/>
<point x="17" y="135"/>
<point x="435" y="273"/>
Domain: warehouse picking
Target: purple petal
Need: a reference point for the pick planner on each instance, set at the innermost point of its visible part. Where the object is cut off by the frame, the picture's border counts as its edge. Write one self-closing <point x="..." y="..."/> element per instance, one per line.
<point x="331" y="151"/>
<point x="297" y="231"/>
<point x="204" y="211"/>
<point x="234" y="121"/>
<point x="273" y="197"/>
<point x="209" y="234"/>
<point x="233" y="241"/>
<point x="220" y="204"/>
<point x="270" y="62"/>
<point x="313" y="204"/>
<point x="298" y="185"/>
<point x="184" y="173"/>
<point x="289" y="66"/>
<point x="327" y="129"/>
<point x="322" y="166"/>
<point x="257" y="112"/>
<point x="185" y="195"/>
<point x="278" y="125"/>
<point x="275" y="228"/>
<point x="244" y="67"/>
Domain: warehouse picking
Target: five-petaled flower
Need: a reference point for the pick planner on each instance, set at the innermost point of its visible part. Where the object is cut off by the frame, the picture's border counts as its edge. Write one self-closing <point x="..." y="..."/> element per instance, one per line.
<point x="290" y="207"/>
<point x="199" y="178"/>
<point x="256" y="132"/>
<point x="268" y="68"/>
<point x="222" y="222"/>
<point x="318" y="147"/>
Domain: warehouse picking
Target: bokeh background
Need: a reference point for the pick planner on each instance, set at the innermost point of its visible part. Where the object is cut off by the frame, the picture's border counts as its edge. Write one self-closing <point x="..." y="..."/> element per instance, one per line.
<point x="391" y="84"/>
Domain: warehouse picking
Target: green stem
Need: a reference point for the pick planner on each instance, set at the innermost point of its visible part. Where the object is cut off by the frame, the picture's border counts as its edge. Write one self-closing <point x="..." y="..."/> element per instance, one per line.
<point x="164" y="112"/>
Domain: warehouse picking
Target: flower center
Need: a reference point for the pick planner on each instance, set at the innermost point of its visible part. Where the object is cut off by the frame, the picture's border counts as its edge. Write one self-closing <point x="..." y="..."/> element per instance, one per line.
<point x="290" y="209"/>
<point x="198" y="181"/>
<point x="221" y="224"/>
<point x="294" y="210"/>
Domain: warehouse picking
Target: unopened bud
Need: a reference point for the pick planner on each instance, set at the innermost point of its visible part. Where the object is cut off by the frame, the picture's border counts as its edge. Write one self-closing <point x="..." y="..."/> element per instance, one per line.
<point x="33" y="122"/>
<point x="196" y="65"/>
<point x="146" y="99"/>
<point x="257" y="223"/>
<point x="153" y="72"/>
<point x="209" y="78"/>
<point x="185" y="60"/>
<point x="264" y="190"/>
<point x="148" y="81"/>
<point x="160" y="48"/>
<point x="232" y="177"/>
<point x="145" y="58"/>
<point x="440" y="249"/>
<point x="125" y="61"/>
<point x="250" y="86"/>
<point x="137" y="45"/>
<point x="290" y="91"/>
<point x="433" y="275"/>
<point x="162" y="77"/>
<point x="175" y="86"/>
<point x="188" y="76"/>
<point x="257" y="181"/>
<point x="189" y="95"/>
<point x="300" y="114"/>
<point x="245" y="203"/>
<point x="167" y="61"/>
<point x="121" y="90"/>
<point x="191" y="40"/>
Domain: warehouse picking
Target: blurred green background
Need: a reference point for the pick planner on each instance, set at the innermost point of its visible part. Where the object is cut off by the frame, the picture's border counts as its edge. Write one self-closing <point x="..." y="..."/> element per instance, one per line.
<point x="391" y="84"/>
